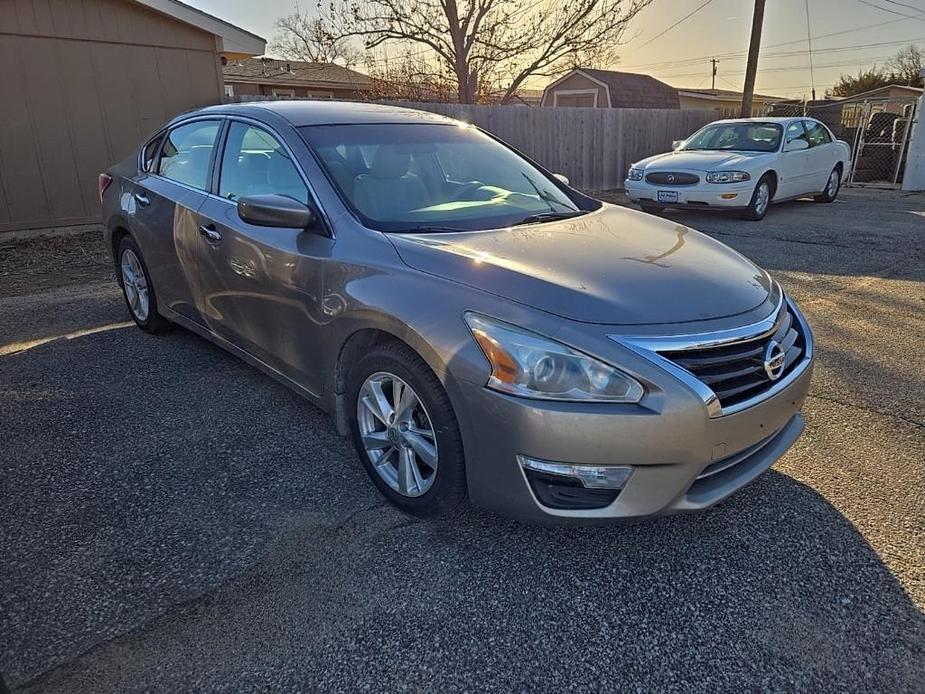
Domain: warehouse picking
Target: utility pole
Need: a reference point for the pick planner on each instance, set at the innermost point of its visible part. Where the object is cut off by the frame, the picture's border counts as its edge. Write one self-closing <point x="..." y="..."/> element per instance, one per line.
<point x="752" y="68"/>
<point x="715" y="63"/>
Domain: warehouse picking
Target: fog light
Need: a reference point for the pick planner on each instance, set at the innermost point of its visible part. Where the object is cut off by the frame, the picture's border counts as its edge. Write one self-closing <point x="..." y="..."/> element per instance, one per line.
<point x="590" y="476"/>
<point x="729" y="196"/>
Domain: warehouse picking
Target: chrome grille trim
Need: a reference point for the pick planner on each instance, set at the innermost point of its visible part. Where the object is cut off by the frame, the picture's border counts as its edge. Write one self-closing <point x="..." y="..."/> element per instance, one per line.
<point x="652" y="347"/>
<point x="677" y="178"/>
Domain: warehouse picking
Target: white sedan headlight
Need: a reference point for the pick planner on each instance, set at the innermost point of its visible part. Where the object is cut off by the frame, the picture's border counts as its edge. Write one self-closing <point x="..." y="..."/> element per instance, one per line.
<point x="532" y="366"/>
<point x="728" y="176"/>
<point x="634" y="175"/>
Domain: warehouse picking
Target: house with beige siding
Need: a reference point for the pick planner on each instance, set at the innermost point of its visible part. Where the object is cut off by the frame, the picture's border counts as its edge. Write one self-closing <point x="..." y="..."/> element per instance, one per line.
<point x="84" y="82"/>
<point x="726" y="103"/>
<point x="590" y="88"/>
<point x="292" y="79"/>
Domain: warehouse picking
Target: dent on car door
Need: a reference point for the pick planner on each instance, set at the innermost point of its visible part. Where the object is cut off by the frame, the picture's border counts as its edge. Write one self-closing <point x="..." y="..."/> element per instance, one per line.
<point x="165" y="201"/>
<point x="260" y="286"/>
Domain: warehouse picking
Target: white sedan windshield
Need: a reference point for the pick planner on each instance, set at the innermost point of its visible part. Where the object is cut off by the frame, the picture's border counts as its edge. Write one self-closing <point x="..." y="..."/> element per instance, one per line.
<point x="743" y="137"/>
<point x="401" y="177"/>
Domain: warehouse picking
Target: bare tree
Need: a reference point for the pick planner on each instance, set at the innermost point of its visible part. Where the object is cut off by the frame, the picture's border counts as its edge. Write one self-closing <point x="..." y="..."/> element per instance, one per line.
<point x="906" y="64"/>
<point x="483" y="44"/>
<point x="407" y="77"/>
<point x="302" y="37"/>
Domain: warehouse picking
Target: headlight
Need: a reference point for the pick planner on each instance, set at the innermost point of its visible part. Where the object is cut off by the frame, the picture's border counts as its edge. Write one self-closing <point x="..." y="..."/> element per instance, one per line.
<point x="727" y="176"/>
<point x="634" y="175"/>
<point x="533" y="366"/>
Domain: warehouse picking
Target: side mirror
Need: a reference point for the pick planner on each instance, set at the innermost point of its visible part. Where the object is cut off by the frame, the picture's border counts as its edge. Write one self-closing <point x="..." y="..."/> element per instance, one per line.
<point x="275" y="211"/>
<point x="796" y="146"/>
<point x="676" y="145"/>
<point x="562" y="178"/>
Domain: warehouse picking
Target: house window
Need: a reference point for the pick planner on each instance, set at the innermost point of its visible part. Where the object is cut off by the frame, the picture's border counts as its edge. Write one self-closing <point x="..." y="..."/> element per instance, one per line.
<point x="229" y="90"/>
<point x="575" y="97"/>
<point x="284" y="93"/>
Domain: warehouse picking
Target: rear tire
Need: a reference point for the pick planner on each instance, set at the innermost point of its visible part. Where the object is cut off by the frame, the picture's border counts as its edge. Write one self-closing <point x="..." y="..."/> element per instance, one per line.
<point x="761" y="200"/>
<point x="431" y="418"/>
<point x="137" y="288"/>
<point x="832" y="186"/>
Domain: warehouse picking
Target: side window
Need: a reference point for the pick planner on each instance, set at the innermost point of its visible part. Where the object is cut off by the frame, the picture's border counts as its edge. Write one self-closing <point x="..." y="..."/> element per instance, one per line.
<point x="818" y="135"/>
<point x="796" y="131"/>
<point x="149" y="153"/>
<point x="255" y="163"/>
<point x="187" y="151"/>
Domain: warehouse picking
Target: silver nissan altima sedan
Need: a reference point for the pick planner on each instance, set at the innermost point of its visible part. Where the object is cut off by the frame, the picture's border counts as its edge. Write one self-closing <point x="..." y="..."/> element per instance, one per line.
<point x="476" y="326"/>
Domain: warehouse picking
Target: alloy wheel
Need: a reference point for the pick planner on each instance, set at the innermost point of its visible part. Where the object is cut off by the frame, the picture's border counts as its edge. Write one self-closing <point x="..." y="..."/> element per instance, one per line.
<point x="832" y="188"/>
<point x="397" y="434"/>
<point x="762" y="198"/>
<point x="135" y="284"/>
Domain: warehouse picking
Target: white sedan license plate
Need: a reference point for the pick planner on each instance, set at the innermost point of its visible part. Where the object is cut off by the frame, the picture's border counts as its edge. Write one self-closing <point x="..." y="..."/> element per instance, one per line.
<point x="668" y="196"/>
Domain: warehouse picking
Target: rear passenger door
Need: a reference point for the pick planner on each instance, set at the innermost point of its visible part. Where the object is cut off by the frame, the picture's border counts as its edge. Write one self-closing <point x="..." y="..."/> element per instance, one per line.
<point x="167" y="193"/>
<point x="260" y="287"/>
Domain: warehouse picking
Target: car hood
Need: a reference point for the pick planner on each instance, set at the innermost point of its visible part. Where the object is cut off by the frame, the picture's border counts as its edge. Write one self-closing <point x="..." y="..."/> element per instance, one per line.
<point x="703" y="161"/>
<point x="613" y="266"/>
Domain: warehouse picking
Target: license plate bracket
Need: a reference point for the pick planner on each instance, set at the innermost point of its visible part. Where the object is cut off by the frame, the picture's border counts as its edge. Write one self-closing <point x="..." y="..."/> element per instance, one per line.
<point x="668" y="196"/>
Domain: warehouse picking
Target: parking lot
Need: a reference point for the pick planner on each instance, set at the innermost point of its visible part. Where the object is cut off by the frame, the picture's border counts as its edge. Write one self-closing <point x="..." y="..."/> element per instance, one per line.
<point x="172" y="520"/>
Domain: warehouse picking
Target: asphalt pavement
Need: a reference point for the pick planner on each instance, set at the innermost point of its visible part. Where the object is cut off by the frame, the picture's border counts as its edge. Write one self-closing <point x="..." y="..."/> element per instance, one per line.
<point x="172" y="520"/>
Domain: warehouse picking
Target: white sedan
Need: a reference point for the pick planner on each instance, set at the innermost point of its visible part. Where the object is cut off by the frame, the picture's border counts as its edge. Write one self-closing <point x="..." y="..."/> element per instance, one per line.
<point x="744" y="164"/>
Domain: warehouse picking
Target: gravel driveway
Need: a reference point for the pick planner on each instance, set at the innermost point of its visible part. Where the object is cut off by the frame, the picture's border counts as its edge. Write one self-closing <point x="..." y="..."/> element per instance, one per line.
<point x="172" y="520"/>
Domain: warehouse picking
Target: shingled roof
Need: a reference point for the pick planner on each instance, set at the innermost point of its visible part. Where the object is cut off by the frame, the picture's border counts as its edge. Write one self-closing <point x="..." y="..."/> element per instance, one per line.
<point x="629" y="90"/>
<point x="294" y="73"/>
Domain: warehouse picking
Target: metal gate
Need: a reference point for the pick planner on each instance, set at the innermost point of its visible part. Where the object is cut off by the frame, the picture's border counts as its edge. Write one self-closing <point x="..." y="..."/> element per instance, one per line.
<point x="878" y="131"/>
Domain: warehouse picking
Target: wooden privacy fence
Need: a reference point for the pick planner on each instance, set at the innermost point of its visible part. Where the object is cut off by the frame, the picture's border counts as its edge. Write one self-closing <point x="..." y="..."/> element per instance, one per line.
<point x="592" y="146"/>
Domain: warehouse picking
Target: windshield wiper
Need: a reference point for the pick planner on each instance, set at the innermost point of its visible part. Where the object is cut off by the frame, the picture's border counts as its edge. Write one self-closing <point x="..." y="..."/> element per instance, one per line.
<point x="548" y="217"/>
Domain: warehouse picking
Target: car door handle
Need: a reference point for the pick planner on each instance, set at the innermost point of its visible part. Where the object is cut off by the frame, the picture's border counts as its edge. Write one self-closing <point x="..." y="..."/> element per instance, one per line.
<point x="142" y="199"/>
<point x="210" y="232"/>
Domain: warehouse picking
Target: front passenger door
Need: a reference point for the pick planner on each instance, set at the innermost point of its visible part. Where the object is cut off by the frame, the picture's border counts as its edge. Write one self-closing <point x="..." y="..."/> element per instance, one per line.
<point x="792" y="166"/>
<point x="260" y="287"/>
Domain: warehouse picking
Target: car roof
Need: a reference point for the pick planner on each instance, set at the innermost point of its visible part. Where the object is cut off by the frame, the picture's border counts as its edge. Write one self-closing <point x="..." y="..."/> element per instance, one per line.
<point x="309" y="112"/>
<point x="769" y="119"/>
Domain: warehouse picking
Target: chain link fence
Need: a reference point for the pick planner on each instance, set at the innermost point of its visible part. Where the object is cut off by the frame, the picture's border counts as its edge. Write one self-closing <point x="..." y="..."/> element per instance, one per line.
<point x="877" y="130"/>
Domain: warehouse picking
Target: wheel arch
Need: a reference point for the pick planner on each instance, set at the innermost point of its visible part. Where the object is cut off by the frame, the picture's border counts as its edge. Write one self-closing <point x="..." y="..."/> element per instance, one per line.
<point x="774" y="180"/>
<point x="361" y="338"/>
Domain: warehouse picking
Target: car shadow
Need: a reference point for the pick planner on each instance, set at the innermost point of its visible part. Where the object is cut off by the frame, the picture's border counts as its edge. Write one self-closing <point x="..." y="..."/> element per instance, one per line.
<point x="171" y="513"/>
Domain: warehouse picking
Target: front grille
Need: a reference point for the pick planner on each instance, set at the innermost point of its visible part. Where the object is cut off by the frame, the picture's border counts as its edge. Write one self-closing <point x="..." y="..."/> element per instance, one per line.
<point x="736" y="372"/>
<point x="670" y="178"/>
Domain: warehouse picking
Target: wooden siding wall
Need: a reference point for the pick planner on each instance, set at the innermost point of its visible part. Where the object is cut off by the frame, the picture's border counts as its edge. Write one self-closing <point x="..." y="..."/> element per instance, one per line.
<point x="84" y="82"/>
<point x="593" y="147"/>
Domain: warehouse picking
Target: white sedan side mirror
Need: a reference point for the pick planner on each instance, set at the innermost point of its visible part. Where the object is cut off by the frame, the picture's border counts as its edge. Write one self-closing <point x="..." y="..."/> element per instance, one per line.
<point x="562" y="178"/>
<point x="676" y="144"/>
<point x="796" y="146"/>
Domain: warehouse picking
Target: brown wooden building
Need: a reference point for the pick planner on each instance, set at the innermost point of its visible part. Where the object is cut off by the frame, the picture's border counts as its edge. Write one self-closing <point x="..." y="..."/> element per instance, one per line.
<point x="84" y="82"/>
<point x="609" y="89"/>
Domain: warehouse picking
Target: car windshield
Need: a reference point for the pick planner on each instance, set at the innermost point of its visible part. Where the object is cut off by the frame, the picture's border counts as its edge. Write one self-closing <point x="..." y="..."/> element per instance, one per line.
<point x="434" y="177"/>
<point x="742" y="137"/>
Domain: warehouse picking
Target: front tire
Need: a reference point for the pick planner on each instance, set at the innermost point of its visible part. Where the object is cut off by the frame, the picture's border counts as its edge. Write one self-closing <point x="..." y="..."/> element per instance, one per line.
<point x="137" y="288"/>
<point x="405" y="431"/>
<point x="761" y="200"/>
<point x="832" y="186"/>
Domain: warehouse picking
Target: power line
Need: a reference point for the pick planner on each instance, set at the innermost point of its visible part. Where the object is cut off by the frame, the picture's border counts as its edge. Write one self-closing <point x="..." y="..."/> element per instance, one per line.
<point x="902" y="4"/>
<point x="733" y="54"/>
<point x="887" y="9"/>
<point x="683" y="19"/>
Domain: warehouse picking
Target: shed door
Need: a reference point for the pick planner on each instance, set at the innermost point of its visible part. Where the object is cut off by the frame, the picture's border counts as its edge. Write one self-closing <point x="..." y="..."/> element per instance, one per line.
<point x="575" y="100"/>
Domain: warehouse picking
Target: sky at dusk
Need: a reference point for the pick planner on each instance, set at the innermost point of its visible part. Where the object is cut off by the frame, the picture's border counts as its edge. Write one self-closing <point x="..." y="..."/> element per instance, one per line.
<point x="863" y="35"/>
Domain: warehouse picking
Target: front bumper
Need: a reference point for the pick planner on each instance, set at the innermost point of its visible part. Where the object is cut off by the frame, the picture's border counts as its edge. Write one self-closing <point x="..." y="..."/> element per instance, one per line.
<point x="702" y="195"/>
<point x="683" y="459"/>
